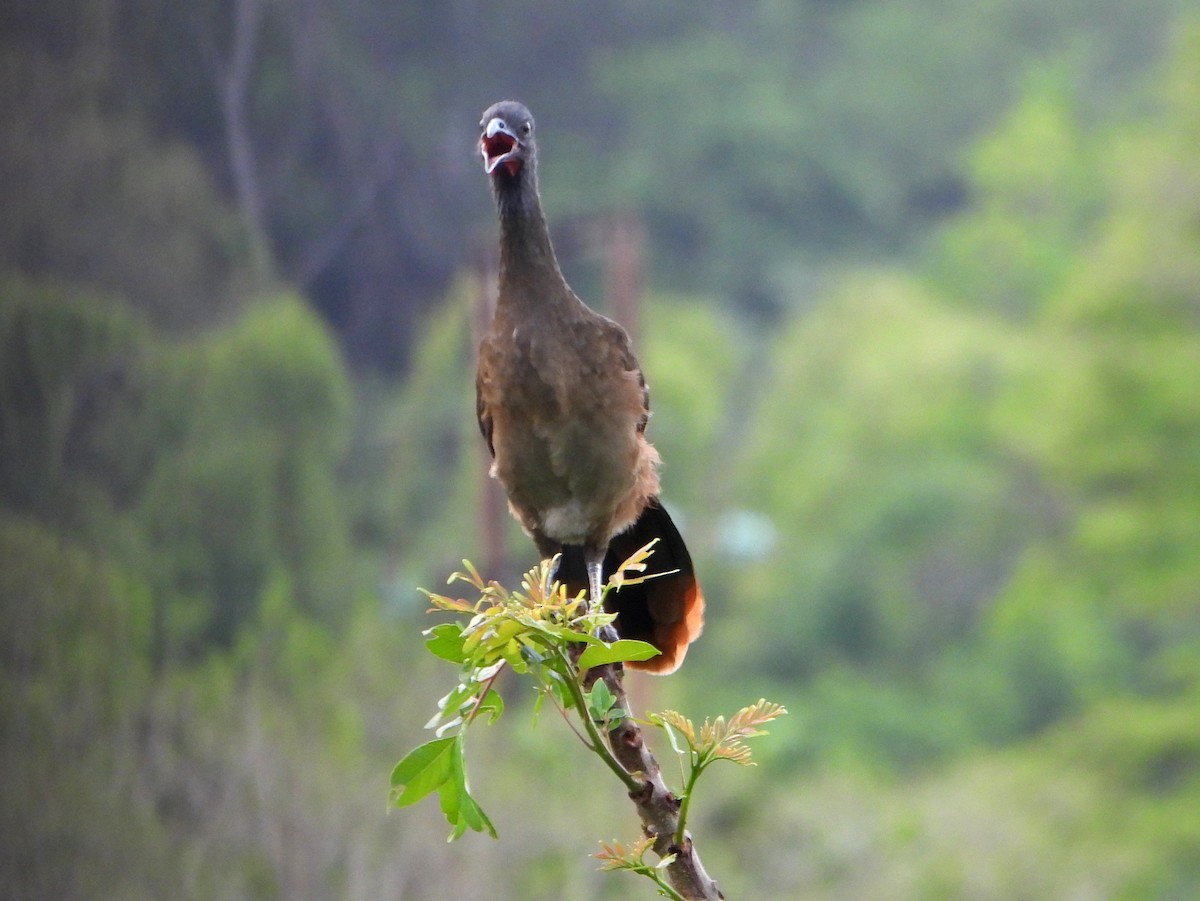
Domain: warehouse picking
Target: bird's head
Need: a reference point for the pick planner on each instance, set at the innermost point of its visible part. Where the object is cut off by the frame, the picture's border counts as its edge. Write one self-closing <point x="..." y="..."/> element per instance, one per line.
<point x="506" y="139"/>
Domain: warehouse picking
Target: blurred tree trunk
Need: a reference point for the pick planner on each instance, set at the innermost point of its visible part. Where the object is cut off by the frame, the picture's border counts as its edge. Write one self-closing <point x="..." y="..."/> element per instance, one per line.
<point x="233" y="88"/>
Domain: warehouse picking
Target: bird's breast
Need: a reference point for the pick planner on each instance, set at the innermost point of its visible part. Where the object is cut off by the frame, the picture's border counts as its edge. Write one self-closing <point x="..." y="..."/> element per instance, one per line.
<point x="565" y="430"/>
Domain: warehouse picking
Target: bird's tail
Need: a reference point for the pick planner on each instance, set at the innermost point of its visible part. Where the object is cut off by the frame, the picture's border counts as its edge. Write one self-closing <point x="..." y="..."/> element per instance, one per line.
<point x="667" y="610"/>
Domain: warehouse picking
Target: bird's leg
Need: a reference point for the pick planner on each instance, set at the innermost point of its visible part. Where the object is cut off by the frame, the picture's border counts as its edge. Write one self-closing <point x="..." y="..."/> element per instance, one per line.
<point x="595" y="571"/>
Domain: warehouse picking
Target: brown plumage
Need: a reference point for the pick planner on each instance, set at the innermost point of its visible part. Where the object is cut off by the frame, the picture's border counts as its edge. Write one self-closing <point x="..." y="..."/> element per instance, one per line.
<point x="563" y="406"/>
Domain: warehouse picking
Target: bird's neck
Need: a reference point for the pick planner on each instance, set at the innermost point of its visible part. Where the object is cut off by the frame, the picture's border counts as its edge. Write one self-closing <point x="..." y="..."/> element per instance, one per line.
<point x="530" y="280"/>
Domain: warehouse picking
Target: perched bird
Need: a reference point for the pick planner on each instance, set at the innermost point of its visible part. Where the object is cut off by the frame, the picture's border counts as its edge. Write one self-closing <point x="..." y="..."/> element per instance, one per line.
<point x="563" y="406"/>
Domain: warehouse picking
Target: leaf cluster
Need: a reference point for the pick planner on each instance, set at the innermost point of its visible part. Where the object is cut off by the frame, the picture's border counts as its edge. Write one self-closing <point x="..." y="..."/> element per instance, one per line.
<point x="615" y="856"/>
<point x="523" y="628"/>
<point x="718" y="739"/>
<point x="542" y="632"/>
<point x="538" y="631"/>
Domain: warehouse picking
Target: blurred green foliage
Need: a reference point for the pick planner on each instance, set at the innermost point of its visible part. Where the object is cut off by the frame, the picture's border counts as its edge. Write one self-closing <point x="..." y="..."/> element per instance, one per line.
<point x="93" y="197"/>
<point x="251" y="489"/>
<point x="943" y="486"/>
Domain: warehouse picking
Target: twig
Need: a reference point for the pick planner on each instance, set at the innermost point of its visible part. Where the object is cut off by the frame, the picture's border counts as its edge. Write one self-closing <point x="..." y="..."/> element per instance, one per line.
<point x="657" y="806"/>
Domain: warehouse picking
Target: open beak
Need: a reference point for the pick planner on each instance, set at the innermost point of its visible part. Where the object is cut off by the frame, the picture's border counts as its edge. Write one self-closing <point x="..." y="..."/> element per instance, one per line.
<point x="499" y="146"/>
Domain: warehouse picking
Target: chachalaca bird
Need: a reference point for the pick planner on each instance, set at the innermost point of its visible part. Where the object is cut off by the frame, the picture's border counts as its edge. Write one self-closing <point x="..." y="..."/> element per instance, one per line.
<point x="563" y="406"/>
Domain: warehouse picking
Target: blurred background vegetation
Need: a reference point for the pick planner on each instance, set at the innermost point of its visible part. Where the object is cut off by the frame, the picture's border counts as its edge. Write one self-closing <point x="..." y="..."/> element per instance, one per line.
<point x="922" y="326"/>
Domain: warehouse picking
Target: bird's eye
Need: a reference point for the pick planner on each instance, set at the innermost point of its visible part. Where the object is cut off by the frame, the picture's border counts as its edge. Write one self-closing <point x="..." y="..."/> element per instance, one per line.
<point x="526" y="128"/>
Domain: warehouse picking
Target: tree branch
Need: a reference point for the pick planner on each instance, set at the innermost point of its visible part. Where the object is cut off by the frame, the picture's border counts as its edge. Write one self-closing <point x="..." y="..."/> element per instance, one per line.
<point x="656" y="804"/>
<point x="545" y="633"/>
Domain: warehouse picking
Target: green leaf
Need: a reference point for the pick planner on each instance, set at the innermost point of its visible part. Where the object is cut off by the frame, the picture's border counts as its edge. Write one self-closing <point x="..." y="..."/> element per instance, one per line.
<point x="569" y="634"/>
<point x="676" y="746"/>
<point x="493" y="704"/>
<point x="557" y="683"/>
<point x="537" y="705"/>
<point x="620" y="651"/>
<point x="600" y="701"/>
<point x="424" y="770"/>
<point x="460" y="809"/>
<point x="453" y="799"/>
<point x="474" y="817"/>
<point x="440" y="766"/>
<point x="446" y="641"/>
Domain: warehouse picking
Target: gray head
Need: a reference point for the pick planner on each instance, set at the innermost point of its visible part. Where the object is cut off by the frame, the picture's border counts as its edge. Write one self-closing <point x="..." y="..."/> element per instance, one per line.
<point x="506" y="142"/>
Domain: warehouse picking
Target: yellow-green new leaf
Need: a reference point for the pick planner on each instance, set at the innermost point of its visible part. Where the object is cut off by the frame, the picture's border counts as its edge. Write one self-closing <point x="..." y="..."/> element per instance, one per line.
<point x="621" y="651"/>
